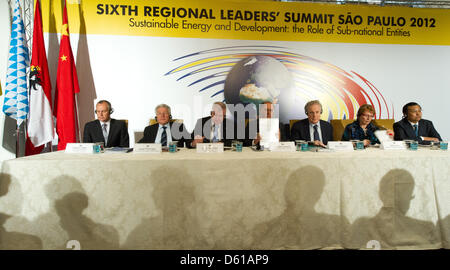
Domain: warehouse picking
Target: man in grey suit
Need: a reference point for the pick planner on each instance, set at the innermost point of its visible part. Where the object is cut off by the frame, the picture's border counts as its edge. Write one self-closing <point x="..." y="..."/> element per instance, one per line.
<point x="413" y="127"/>
<point x="112" y="132"/>
<point x="312" y="128"/>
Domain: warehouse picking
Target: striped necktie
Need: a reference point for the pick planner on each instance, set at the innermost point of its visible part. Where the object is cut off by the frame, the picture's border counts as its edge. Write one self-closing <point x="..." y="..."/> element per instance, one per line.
<point x="164" y="137"/>
<point x="105" y="133"/>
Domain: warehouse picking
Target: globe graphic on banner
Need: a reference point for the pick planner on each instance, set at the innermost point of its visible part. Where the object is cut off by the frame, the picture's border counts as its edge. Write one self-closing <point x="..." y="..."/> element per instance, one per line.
<point x="259" y="79"/>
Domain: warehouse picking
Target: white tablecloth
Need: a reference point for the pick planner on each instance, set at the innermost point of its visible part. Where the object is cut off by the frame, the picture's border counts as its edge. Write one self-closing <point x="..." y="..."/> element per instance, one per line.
<point x="248" y="200"/>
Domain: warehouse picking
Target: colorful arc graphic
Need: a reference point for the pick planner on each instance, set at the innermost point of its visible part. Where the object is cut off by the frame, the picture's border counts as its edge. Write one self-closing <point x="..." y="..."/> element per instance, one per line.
<point x="340" y="92"/>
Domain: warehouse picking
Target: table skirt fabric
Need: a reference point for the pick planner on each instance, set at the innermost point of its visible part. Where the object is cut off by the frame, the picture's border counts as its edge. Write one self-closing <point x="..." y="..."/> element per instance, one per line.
<point x="248" y="200"/>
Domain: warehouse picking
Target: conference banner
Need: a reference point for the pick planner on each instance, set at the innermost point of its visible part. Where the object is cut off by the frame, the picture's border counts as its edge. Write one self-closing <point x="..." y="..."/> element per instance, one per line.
<point x="265" y="20"/>
<point x="189" y="54"/>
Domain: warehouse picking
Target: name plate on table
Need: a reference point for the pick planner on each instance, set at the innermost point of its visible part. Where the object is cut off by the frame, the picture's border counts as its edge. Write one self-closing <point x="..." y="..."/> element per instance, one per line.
<point x="209" y="147"/>
<point x="340" y="146"/>
<point x="393" y="145"/>
<point x="80" y="148"/>
<point x="147" y="148"/>
<point x="282" y="147"/>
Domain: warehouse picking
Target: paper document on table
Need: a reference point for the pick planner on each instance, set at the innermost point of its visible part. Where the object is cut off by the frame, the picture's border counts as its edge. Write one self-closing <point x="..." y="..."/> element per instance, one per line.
<point x="383" y="136"/>
<point x="268" y="129"/>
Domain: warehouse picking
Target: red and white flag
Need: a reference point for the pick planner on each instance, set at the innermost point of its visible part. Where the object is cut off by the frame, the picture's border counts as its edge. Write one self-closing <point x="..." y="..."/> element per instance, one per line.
<point x="40" y="120"/>
<point x="66" y="87"/>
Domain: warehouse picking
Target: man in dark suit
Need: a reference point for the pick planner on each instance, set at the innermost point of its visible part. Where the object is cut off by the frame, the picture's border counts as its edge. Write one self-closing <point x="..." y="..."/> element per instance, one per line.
<point x="165" y="131"/>
<point x="112" y="132"/>
<point x="214" y="128"/>
<point x="312" y="128"/>
<point x="413" y="127"/>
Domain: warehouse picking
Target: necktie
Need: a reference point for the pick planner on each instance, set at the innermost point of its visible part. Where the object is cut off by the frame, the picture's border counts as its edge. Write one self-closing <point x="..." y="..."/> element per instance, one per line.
<point x="215" y="135"/>
<point x="164" y="137"/>
<point x="416" y="130"/>
<point x="316" y="133"/>
<point x="105" y="133"/>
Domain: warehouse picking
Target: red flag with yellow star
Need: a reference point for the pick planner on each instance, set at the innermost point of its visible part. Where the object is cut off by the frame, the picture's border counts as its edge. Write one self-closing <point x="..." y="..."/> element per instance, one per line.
<point x="66" y="87"/>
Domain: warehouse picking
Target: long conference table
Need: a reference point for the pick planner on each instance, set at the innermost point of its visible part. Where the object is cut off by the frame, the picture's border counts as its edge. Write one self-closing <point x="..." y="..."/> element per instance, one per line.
<point x="250" y="200"/>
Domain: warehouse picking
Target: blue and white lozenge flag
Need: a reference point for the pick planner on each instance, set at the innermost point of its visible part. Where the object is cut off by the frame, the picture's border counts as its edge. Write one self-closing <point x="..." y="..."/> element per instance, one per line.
<point x="16" y="93"/>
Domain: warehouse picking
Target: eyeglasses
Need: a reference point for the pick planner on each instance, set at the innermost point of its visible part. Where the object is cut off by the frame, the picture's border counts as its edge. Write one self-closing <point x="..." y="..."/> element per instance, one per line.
<point x="367" y="115"/>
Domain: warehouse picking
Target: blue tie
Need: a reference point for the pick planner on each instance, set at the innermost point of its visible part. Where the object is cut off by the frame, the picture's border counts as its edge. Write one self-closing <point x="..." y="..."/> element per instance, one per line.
<point x="416" y="130"/>
<point x="164" y="137"/>
<point x="316" y="133"/>
<point x="215" y="135"/>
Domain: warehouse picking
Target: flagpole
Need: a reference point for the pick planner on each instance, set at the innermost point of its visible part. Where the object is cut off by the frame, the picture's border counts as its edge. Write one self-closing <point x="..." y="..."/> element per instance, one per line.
<point x="17" y="141"/>
<point x="28" y="14"/>
<point x="78" y="118"/>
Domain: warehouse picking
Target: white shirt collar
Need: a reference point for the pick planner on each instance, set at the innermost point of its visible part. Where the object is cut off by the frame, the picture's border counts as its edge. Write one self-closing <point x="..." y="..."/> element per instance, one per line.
<point x="107" y="122"/>
<point x="312" y="125"/>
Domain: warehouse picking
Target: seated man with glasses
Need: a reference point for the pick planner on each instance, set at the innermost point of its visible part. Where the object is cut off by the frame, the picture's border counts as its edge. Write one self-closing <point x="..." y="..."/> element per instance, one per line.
<point x="363" y="129"/>
<point x="413" y="127"/>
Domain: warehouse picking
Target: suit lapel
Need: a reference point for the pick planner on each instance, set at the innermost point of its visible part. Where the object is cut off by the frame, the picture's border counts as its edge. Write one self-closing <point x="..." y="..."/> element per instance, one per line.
<point x="154" y="132"/>
<point x="422" y="128"/>
<point x="306" y="131"/>
<point x="207" y="128"/>
<point x="409" y="129"/>
<point x="98" y="130"/>
<point x="111" y="129"/>
<point x="322" y="130"/>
